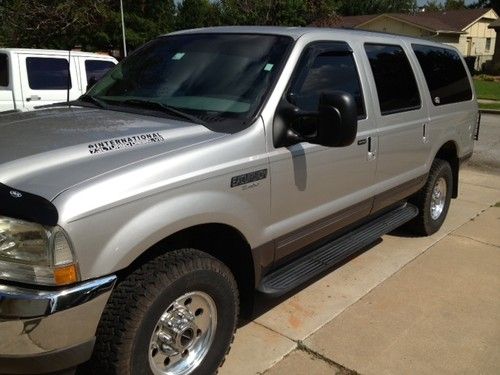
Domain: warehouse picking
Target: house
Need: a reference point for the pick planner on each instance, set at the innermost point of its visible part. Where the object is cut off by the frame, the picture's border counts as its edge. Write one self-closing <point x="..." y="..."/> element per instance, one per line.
<point x="495" y="25"/>
<point x="466" y="29"/>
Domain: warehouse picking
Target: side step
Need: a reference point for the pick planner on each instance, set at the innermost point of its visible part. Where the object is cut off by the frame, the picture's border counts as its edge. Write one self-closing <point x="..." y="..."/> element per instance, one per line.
<point x="317" y="261"/>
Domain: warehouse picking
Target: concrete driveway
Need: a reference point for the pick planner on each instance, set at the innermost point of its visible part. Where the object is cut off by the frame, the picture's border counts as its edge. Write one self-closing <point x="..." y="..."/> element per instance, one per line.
<point x="405" y="305"/>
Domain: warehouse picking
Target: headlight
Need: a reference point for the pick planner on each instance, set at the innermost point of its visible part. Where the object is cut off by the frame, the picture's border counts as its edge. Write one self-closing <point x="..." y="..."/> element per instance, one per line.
<point x="32" y="253"/>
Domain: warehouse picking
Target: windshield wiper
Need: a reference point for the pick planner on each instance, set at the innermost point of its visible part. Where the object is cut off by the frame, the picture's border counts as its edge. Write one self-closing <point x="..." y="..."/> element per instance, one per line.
<point x="92" y="99"/>
<point x="164" y="108"/>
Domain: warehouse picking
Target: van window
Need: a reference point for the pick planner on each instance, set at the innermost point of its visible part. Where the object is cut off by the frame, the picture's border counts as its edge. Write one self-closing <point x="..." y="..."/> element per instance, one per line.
<point x="329" y="71"/>
<point x="4" y="70"/>
<point x="96" y="69"/>
<point x="47" y="73"/>
<point x="445" y="74"/>
<point x="394" y="78"/>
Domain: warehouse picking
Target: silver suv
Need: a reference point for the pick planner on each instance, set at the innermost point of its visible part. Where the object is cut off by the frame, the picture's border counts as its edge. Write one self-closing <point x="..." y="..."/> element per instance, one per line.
<point x="212" y="165"/>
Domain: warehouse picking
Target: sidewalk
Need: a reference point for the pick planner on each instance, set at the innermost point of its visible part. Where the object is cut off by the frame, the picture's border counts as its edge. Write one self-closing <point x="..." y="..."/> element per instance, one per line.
<point x="406" y="305"/>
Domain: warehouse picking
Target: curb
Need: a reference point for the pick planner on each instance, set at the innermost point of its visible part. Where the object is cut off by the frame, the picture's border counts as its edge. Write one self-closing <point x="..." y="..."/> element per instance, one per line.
<point x="490" y="111"/>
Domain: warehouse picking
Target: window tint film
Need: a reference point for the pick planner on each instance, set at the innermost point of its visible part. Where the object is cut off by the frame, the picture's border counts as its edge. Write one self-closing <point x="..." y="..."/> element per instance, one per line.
<point x="329" y="71"/>
<point x="445" y="74"/>
<point x="396" y="85"/>
<point x="4" y="70"/>
<point x="96" y="69"/>
<point x="47" y="73"/>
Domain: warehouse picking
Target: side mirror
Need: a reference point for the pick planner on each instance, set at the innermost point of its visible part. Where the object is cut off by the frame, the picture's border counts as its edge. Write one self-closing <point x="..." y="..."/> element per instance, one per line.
<point x="337" y="119"/>
<point x="335" y="124"/>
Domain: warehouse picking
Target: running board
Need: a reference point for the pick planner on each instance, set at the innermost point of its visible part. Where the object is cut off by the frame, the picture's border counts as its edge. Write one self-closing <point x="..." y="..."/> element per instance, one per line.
<point x="291" y="275"/>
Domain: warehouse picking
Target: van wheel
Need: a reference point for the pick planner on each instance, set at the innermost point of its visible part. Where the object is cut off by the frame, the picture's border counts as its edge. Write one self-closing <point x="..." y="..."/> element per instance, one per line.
<point x="433" y="201"/>
<point x="174" y="315"/>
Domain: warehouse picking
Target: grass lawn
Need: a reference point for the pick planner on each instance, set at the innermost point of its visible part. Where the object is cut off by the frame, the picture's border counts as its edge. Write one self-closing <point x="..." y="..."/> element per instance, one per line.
<point x="487" y="89"/>
<point x="490" y="106"/>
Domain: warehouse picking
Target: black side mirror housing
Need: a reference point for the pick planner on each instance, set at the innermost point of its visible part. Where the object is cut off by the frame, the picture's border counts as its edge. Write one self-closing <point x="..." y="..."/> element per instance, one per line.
<point x="337" y="119"/>
<point x="335" y="124"/>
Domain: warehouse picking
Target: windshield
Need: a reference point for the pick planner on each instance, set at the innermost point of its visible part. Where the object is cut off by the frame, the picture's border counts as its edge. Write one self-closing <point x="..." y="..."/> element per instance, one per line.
<point x="217" y="78"/>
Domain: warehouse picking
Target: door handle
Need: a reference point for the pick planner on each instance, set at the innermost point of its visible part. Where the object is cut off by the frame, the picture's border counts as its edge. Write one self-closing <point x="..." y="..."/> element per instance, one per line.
<point x="371" y="151"/>
<point x="33" y="98"/>
<point x="425" y="139"/>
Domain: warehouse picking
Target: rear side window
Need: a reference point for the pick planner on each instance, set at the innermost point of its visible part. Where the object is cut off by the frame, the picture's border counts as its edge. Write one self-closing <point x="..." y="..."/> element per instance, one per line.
<point x="4" y="70"/>
<point x="445" y="74"/>
<point x="96" y="69"/>
<point x="48" y="73"/>
<point x="329" y="71"/>
<point x="396" y="85"/>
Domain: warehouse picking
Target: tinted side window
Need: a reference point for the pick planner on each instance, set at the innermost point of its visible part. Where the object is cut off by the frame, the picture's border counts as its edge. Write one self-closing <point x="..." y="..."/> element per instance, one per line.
<point x="96" y="69"/>
<point x="47" y="73"/>
<point x="329" y="71"/>
<point x="4" y="70"/>
<point x="445" y="74"/>
<point x="396" y="85"/>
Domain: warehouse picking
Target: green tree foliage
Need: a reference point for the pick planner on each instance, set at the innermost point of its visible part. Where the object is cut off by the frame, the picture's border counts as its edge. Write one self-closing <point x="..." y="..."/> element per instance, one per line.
<point x="197" y="13"/>
<point x="96" y="25"/>
<point x="92" y="24"/>
<point x="495" y="4"/>
<point x="454" y="4"/>
<point x="434" y="6"/>
<point x="354" y="8"/>
<point x="276" y="12"/>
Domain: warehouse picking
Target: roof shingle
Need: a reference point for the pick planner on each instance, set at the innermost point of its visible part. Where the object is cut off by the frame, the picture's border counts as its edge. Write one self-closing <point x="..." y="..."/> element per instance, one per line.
<point x="451" y="20"/>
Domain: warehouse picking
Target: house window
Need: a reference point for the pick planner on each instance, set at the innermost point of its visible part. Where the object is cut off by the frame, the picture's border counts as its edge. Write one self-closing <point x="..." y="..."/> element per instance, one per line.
<point x="488" y="44"/>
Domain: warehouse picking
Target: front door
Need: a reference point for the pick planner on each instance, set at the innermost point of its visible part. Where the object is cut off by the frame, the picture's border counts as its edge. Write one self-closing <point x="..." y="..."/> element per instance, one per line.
<point x="329" y="187"/>
<point x="45" y="80"/>
<point x="6" y="95"/>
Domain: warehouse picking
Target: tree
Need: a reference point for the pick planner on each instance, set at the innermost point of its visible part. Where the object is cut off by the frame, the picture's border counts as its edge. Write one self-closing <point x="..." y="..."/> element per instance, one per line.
<point x="495" y="4"/>
<point x="197" y="13"/>
<point x="454" y="4"/>
<point x="354" y="8"/>
<point x="275" y="12"/>
<point x="433" y="6"/>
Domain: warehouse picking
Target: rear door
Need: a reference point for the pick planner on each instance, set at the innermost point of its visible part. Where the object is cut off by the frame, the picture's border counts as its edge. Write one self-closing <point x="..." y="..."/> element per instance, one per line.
<point x="93" y="70"/>
<point x="45" y="79"/>
<point x="6" y="92"/>
<point x="402" y="122"/>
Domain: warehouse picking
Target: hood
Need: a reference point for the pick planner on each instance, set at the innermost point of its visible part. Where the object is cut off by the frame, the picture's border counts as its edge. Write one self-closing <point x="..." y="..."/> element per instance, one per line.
<point x="46" y="152"/>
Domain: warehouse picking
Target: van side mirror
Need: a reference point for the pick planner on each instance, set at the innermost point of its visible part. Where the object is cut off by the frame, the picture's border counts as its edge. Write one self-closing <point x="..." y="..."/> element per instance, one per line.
<point x="334" y="124"/>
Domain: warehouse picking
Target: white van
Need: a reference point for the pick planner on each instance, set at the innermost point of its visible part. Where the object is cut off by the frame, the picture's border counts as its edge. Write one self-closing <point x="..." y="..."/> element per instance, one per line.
<point x="33" y="77"/>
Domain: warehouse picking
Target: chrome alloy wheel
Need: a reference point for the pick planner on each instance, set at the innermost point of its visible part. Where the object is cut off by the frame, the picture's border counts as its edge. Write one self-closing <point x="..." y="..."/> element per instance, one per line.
<point x="183" y="335"/>
<point x="438" y="199"/>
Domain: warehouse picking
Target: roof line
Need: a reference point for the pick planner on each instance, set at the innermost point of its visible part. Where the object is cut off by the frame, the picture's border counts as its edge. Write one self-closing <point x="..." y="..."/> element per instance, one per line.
<point x="477" y="19"/>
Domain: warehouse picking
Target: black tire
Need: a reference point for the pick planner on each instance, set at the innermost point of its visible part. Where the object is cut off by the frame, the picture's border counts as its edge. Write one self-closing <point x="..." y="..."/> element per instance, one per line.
<point x="424" y="224"/>
<point x="140" y="299"/>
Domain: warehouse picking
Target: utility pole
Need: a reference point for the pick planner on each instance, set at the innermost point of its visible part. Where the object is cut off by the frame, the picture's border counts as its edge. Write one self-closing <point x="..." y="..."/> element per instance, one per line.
<point x="123" y="30"/>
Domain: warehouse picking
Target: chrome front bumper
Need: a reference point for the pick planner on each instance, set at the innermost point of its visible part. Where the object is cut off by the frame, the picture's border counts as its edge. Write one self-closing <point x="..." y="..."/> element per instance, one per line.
<point x="50" y="330"/>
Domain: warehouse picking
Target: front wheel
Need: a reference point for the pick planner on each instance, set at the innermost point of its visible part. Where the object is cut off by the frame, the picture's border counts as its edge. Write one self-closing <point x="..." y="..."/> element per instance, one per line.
<point x="174" y="315"/>
<point x="433" y="201"/>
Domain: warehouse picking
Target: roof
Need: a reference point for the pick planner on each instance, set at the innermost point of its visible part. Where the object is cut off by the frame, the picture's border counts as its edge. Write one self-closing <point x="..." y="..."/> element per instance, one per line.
<point x="56" y="52"/>
<point x="298" y="32"/>
<point x="454" y="21"/>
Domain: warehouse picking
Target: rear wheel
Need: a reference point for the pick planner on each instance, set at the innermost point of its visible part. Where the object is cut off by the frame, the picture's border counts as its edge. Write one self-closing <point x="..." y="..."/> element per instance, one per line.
<point x="174" y="315"/>
<point x="433" y="201"/>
